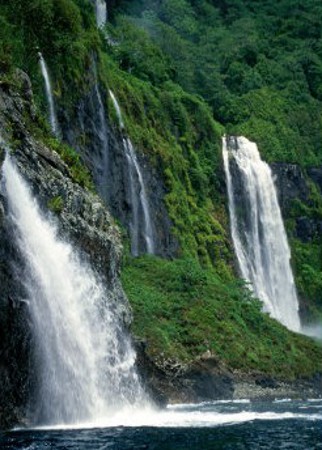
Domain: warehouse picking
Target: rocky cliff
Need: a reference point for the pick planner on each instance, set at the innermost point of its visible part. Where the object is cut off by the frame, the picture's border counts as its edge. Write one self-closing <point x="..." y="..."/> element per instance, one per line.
<point x="295" y="184"/>
<point x="86" y="128"/>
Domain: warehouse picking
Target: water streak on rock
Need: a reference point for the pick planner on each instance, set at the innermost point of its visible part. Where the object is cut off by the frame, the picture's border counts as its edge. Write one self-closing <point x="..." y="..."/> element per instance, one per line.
<point x="49" y="95"/>
<point x="138" y="195"/>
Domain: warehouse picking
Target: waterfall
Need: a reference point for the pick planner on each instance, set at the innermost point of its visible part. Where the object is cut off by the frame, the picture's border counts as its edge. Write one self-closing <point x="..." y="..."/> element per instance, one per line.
<point x="139" y="199"/>
<point x="117" y="109"/>
<point x="85" y="360"/>
<point x="49" y="95"/>
<point x="258" y="231"/>
<point x="101" y="13"/>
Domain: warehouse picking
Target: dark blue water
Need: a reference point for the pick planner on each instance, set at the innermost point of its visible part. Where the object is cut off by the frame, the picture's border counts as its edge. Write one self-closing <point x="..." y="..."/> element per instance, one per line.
<point x="273" y="425"/>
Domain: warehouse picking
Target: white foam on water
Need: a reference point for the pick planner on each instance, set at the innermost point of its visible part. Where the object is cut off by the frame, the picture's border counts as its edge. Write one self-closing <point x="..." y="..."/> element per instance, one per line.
<point x="182" y="419"/>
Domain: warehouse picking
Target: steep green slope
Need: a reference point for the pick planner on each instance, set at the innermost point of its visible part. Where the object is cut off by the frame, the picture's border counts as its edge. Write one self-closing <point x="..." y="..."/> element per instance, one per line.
<point x="259" y="67"/>
<point x="258" y="64"/>
<point x="184" y="311"/>
<point x="174" y="67"/>
<point x="183" y="142"/>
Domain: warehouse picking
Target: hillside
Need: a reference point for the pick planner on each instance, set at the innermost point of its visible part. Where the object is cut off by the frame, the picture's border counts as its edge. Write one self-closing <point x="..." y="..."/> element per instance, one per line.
<point x="164" y="81"/>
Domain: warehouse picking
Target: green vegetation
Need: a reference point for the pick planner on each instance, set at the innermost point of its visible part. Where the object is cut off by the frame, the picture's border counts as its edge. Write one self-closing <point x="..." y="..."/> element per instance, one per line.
<point x="259" y="67"/>
<point x="307" y="259"/>
<point x="307" y="256"/>
<point x="78" y="170"/>
<point x="257" y="64"/>
<point x="184" y="71"/>
<point x="63" y="30"/>
<point x="56" y="204"/>
<point x="183" y="311"/>
<point x="177" y="132"/>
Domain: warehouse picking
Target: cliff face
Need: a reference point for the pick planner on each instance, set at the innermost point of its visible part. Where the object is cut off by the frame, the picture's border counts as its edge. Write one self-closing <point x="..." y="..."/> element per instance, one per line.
<point x="294" y="185"/>
<point x="82" y="219"/>
<point x="85" y="128"/>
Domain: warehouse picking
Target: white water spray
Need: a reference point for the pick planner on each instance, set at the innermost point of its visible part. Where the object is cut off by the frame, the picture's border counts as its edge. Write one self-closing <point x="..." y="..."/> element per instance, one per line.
<point x="49" y="95"/>
<point x="139" y="198"/>
<point x="84" y="358"/>
<point x="258" y="231"/>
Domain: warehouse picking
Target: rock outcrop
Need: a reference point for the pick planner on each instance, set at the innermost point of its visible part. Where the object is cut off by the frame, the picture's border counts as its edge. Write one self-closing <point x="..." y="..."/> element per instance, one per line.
<point x="292" y="185"/>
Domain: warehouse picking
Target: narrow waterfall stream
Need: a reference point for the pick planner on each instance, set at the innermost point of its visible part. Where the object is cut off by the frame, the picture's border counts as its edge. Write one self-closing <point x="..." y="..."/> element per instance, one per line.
<point x="84" y="358"/>
<point x="258" y="231"/>
<point x="139" y="202"/>
<point x="101" y="13"/>
<point x="139" y="199"/>
<point x="49" y="95"/>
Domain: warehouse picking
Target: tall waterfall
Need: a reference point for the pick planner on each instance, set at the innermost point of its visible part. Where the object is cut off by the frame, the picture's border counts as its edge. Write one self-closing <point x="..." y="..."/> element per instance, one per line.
<point x="84" y="357"/>
<point x="49" y="95"/>
<point x="258" y="231"/>
<point x="101" y="13"/>
<point x="139" y="199"/>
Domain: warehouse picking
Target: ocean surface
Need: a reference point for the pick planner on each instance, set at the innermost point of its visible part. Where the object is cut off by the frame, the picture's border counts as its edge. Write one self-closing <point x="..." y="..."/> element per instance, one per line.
<point x="281" y="424"/>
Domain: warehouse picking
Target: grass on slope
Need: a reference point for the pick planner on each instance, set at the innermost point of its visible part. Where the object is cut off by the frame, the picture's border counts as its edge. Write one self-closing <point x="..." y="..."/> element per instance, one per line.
<point x="182" y="311"/>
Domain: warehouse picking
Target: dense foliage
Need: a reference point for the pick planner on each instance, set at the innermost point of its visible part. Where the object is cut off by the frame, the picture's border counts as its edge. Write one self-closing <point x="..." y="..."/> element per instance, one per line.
<point x="257" y="63"/>
<point x="184" y="311"/>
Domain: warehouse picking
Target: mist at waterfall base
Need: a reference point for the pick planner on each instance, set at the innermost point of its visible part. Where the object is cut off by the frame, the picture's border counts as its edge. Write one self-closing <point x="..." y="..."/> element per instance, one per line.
<point x="226" y="425"/>
<point x="258" y="231"/>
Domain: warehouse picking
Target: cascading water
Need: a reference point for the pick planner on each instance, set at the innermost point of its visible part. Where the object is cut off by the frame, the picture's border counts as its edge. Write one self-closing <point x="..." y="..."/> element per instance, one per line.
<point x="139" y="202"/>
<point x="101" y="13"/>
<point x="139" y="199"/>
<point x="258" y="231"/>
<point x="50" y="100"/>
<point x="83" y="355"/>
<point x="117" y="109"/>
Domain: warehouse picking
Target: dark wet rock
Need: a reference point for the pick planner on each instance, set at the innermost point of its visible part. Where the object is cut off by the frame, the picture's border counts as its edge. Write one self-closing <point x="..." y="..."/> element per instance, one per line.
<point x="257" y="387"/>
<point x="204" y="379"/>
<point x="308" y="229"/>
<point x="103" y="152"/>
<point x="315" y="173"/>
<point x="207" y="379"/>
<point x="290" y="183"/>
